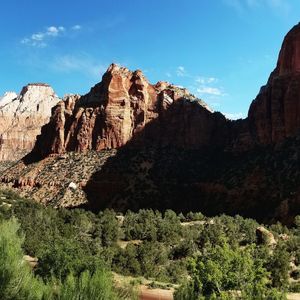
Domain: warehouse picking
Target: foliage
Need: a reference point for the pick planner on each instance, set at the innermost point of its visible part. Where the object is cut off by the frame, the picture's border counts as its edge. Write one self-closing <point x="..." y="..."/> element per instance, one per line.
<point x="16" y="278"/>
<point x="220" y="254"/>
<point x="97" y="286"/>
<point x="223" y="271"/>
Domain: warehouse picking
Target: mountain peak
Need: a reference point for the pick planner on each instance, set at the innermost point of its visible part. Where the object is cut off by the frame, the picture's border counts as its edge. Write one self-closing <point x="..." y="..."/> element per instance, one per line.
<point x="21" y="118"/>
<point x="289" y="57"/>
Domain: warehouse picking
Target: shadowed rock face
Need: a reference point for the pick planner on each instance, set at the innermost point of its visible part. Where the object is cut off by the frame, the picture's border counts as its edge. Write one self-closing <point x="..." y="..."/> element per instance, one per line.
<point x="21" y="119"/>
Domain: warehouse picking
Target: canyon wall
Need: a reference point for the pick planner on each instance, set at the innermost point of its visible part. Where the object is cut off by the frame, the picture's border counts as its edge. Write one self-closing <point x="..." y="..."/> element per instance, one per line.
<point x="21" y="119"/>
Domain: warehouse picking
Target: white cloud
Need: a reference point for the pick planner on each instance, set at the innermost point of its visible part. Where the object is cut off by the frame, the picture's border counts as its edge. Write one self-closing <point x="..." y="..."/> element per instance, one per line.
<point x="242" y="6"/>
<point x="234" y="116"/>
<point x="78" y="63"/>
<point x="206" y="80"/>
<point x="209" y="90"/>
<point x="54" y="31"/>
<point x="76" y="27"/>
<point x="181" y="72"/>
<point x="40" y="39"/>
<point x="38" y="36"/>
<point x="207" y="86"/>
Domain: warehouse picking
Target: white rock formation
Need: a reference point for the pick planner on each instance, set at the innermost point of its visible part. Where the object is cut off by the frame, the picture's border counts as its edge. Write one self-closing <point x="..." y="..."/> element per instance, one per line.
<point x="21" y="118"/>
<point x="7" y="98"/>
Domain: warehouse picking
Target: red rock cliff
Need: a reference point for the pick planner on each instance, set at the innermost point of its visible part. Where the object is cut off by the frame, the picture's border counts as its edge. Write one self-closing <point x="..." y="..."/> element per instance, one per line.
<point x="275" y="113"/>
<point x="123" y="106"/>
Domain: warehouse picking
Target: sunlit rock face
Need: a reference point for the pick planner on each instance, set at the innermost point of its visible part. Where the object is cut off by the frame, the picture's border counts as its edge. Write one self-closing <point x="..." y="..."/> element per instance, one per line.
<point x="21" y="119"/>
<point x="289" y="57"/>
<point x="158" y="146"/>
<point x="124" y="107"/>
<point x="275" y="113"/>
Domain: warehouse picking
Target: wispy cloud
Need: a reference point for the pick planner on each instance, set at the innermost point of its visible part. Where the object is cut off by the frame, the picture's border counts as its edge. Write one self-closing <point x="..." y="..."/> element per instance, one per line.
<point x="168" y="74"/>
<point x="207" y="90"/>
<point x="42" y="38"/>
<point x="78" y="63"/>
<point x="241" y="6"/>
<point x="207" y="86"/>
<point x="76" y="27"/>
<point x="201" y="86"/>
<point x="181" y="72"/>
<point x="235" y="116"/>
<point x="206" y="80"/>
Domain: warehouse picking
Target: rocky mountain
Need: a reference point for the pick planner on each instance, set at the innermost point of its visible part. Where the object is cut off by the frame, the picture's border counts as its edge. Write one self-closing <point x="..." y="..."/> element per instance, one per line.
<point x="21" y="119"/>
<point x="129" y="144"/>
<point x="275" y="113"/>
<point x="125" y="106"/>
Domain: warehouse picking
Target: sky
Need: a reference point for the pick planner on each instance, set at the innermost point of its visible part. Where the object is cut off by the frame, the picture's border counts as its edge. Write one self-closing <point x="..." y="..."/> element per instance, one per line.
<point x="221" y="50"/>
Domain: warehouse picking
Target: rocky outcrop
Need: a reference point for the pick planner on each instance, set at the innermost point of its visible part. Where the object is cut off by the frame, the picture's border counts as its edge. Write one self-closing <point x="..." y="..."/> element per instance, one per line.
<point x="124" y="107"/>
<point x="265" y="237"/>
<point x="275" y="113"/>
<point x="21" y="119"/>
<point x="156" y="145"/>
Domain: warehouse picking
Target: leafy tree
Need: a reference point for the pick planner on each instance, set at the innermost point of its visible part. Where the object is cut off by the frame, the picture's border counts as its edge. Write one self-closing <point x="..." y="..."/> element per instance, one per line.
<point x="170" y="229"/>
<point x="16" y="278"/>
<point x="222" y="269"/>
<point x="126" y="261"/>
<point x="279" y="267"/>
<point x="66" y="256"/>
<point x="142" y="225"/>
<point x="87" y="286"/>
<point x="109" y="228"/>
<point x="152" y="257"/>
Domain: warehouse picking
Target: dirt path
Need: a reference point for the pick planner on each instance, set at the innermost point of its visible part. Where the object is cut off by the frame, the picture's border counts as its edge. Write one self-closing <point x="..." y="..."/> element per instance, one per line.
<point x="155" y="294"/>
<point x="293" y="296"/>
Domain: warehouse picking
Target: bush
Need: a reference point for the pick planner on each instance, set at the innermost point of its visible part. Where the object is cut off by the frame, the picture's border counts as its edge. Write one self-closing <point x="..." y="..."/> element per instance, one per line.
<point x="221" y="270"/>
<point x="16" y="278"/>
<point x="97" y="286"/>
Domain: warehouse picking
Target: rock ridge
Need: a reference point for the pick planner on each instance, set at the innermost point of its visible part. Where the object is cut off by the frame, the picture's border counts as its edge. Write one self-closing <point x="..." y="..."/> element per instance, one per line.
<point x="21" y="119"/>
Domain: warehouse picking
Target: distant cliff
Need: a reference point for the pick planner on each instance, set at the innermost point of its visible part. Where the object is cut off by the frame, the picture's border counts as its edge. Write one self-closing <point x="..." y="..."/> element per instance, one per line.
<point x="129" y="144"/>
<point x="125" y="106"/>
<point x="21" y="119"/>
<point x="124" y="102"/>
<point x="275" y="113"/>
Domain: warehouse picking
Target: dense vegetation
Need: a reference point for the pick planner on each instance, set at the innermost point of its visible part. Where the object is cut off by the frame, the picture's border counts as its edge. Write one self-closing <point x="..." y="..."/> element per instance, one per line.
<point x="261" y="183"/>
<point x="208" y="258"/>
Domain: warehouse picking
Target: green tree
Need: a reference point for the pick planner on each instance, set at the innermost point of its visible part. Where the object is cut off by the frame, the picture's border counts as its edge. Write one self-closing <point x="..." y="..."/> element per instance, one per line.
<point x="109" y="228"/>
<point x="279" y="267"/>
<point x="16" y="278"/>
<point x="223" y="269"/>
<point x="97" y="286"/>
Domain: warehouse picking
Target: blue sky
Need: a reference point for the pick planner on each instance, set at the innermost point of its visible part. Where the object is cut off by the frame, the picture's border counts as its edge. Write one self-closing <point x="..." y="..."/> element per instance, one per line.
<point x="221" y="50"/>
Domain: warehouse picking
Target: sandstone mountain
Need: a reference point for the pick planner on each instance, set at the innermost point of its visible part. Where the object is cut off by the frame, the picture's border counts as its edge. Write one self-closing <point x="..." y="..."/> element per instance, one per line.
<point x="21" y="119"/>
<point x="275" y="113"/>
<point x="125" y="106"/>
<point x="129" y="144"/>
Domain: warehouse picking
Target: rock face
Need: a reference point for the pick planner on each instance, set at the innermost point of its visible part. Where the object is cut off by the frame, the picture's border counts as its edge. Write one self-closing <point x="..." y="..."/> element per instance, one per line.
<point x="21" y="119"/>
<point x="275" y="113"/>
<point x="126" y="107"/>
<point x="157" y="146"/>
<point x="264" y="236"/>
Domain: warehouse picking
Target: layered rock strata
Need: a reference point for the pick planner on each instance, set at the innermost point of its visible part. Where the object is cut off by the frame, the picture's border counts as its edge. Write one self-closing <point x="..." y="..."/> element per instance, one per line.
<point x="21" y="119"/>
<point x="124" y="107"/>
